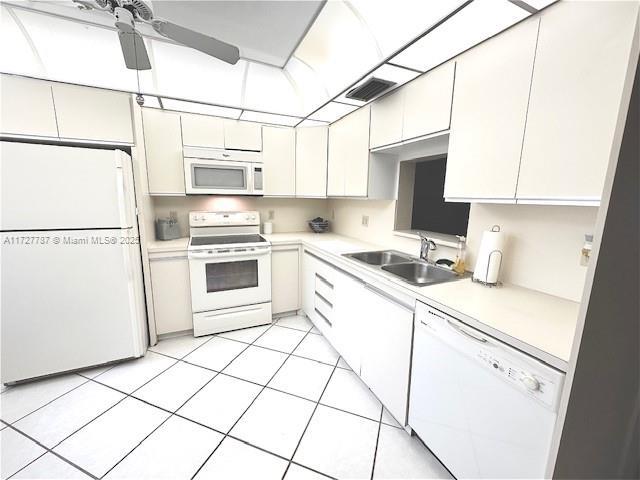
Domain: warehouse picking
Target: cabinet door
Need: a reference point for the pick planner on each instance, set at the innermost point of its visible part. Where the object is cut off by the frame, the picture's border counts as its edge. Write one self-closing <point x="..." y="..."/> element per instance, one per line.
<point x="427" y="106"/>
<point x="93" y="114"/>
<point x="163" y="148"/>
<point x="171" y="294"/>
<point x="386" y="119"/>
<point x="311" y="162"/>
<point x="581" y="62"/>
<point x="202" y="131"/>
<point x="488" y="115"/>
<point x="356" y="163"/>
<point x="284" y="279"/>
<point x="349" y="323"/>
<point x="348" y="165"/>
<point x="26" y="107"/>
<point x="279" y="158"/>
<point x="386" y="355"/>
<point x="308" y="282"/>
<point x="239" y="135"/>
<point x="336" y="160"/>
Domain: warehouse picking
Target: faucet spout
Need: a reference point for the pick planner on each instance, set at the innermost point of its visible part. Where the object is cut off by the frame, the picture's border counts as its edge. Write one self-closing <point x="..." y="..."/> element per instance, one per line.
<point x="426" y="245"/>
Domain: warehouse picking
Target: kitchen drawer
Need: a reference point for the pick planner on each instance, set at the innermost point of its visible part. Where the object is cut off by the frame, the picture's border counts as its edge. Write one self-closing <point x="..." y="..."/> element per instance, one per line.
<point x="233" y="318"/>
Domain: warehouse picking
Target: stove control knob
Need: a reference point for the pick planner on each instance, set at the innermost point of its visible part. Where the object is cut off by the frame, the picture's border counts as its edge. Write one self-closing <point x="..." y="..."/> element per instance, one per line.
<point x="530" y="383"/>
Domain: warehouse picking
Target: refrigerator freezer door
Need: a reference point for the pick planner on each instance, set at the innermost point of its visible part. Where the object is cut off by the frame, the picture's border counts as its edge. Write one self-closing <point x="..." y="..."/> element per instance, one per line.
<point x="45" y="187"/>
<point x="71" y="304"/>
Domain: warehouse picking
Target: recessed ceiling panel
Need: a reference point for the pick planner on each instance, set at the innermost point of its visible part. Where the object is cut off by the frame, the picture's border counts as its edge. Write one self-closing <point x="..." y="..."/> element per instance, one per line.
<point x="270" y="118"/>
<point x="474" y="23"/>
<point x="332" y="111"/>
<point x="192" y="107"/>
<point x="267" y="31"/>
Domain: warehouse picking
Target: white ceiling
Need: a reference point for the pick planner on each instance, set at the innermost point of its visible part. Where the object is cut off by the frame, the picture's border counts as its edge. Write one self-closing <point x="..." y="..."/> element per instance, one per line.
<point x="266" y="31"/>
<point x="343" y="41"/>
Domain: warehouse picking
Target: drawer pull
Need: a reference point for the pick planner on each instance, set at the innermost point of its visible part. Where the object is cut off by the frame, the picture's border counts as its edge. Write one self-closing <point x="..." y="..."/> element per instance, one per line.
<point x="323" y="317"/>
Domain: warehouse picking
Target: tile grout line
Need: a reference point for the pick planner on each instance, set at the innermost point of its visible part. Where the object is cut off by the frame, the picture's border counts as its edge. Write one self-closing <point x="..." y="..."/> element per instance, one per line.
<point x="375" y="452"/>
<point x="47" y="450"/>
<point x="171" y="414"/>
<point x="86" y="380"/>
<point x="311" y="418"/>
<point x="252" y="402"/>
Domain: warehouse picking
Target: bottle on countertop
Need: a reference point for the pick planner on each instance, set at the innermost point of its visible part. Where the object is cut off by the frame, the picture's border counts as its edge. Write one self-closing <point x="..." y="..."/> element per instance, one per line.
<point x="459" y="264"/>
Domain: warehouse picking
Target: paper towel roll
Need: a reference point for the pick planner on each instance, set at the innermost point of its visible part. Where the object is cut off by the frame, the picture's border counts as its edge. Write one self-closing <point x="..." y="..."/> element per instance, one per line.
<point x="489" y="260"/>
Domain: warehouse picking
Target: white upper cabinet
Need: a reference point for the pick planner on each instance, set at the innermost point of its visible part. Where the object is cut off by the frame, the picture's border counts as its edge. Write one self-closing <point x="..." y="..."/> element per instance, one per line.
<point x="581" y="62"/>
<point x="386" y="119"/>
<point x="488" y="115"/>
<point x="163" y="149"/>
<point x="202" y="131"/>
<point x="279" y="157"/>
<point x="427" y="102"/>
<point x="311" y="161"/>
<point x="348" y="166"/>
<point x="93" y="114"/>
<point x="27" y="107"/>
<point x="239" y="135"/>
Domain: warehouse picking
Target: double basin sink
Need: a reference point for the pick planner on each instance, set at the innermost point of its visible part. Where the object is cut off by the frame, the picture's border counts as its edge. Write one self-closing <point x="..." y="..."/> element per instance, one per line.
<point x="411" y="270"/>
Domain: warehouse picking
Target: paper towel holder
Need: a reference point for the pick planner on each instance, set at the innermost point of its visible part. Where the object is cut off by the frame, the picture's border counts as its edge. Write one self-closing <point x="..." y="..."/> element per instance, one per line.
<point x="497" y="283"/>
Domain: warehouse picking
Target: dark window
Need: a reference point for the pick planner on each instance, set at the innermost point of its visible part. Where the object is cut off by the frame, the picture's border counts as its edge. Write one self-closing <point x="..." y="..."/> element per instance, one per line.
<point x="430" y="211"/>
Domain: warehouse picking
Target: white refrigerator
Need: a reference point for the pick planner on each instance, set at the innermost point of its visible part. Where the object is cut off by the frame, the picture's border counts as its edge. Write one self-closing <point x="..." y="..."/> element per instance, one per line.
<point x="71" y="275"/>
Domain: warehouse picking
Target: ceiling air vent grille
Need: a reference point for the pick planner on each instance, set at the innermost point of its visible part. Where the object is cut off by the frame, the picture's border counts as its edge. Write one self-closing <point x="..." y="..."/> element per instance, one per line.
<point x="370" y="89"/>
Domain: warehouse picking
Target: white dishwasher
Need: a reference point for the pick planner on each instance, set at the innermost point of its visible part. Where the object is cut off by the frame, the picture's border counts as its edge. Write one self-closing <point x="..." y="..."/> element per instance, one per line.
<point x="485" y="409"/>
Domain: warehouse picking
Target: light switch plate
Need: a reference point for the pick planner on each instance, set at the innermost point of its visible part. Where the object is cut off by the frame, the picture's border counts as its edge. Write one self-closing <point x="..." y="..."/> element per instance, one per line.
<point x="271" y="214"/>
<point x="365" y="220"/>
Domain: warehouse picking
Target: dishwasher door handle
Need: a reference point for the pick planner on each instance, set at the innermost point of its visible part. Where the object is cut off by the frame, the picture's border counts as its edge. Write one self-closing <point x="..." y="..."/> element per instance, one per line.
<point x="464" y="332"/>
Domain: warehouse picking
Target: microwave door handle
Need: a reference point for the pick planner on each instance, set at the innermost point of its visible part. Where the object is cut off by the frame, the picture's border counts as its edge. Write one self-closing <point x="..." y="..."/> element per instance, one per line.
<point x="250" y="180"/>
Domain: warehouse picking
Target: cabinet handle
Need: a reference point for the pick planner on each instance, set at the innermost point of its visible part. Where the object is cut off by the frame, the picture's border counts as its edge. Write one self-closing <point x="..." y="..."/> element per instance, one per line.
<point x="325" y="300"/>
<point x="324" y="280"/>
<point x="436" y="314"/>
<point x="323" y="317"/>
<point x="388" y="297"/>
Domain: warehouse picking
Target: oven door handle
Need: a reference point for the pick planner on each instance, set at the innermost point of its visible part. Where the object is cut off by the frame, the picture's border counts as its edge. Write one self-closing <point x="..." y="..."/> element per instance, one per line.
<point x="232" y="253"/>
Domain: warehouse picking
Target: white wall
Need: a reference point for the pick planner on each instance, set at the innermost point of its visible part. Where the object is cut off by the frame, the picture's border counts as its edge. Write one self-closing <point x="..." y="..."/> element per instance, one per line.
<point x="543" y="242"/>
<point x="290" y="215"/>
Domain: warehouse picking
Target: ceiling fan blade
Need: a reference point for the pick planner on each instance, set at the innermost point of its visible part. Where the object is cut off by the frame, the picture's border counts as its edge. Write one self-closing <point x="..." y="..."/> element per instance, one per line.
<point x="134" y="51"/>
<point x="209" y="45"/>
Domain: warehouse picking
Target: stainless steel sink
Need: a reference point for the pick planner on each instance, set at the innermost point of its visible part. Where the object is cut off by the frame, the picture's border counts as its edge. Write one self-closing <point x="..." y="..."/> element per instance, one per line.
<point x="408" y="268"/>
<point x="385" y="257"/>
<point x="420" y="273"/>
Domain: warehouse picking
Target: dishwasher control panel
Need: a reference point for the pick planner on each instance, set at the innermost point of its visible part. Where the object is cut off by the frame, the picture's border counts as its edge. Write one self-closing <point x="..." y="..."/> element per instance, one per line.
<point x="531" y="382"/>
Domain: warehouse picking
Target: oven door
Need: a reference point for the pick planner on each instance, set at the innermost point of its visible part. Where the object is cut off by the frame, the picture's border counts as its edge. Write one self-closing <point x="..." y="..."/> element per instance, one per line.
<point x="203" y="176"/>
<point x="229" y="278"/>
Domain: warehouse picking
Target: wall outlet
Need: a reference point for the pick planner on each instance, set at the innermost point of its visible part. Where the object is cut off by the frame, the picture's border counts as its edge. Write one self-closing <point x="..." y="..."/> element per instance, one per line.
<point x="365" y="220"/>
<point x="271" y="214"/>
<point x="333" y="214"/>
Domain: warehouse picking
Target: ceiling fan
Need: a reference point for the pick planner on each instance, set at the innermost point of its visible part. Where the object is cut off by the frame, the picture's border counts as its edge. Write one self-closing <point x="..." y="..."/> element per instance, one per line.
<point x="129" y="12"/>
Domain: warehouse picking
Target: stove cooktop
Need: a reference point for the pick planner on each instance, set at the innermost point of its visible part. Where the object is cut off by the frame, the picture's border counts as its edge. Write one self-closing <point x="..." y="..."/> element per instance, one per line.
<point x="226" y="239"/>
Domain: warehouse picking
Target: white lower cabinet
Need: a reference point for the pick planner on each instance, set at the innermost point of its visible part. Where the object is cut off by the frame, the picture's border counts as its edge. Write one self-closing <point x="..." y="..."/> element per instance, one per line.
<point x="386" y="349"/>
<point x="285" y="266"/>
<point x="171" y="289"/>
<point x="371" y="329"/>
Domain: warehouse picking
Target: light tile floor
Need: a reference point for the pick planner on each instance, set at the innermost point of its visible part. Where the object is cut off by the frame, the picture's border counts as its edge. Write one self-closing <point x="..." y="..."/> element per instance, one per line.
<point x="271" y="402"/>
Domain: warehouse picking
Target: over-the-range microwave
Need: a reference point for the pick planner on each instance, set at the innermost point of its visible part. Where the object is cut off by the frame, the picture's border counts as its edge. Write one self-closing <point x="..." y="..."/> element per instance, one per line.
<point x="223" y="172"/>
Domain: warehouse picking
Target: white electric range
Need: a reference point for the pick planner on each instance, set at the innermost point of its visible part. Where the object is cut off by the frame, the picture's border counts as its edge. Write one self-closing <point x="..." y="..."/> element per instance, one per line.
<point x="230" y="270"/>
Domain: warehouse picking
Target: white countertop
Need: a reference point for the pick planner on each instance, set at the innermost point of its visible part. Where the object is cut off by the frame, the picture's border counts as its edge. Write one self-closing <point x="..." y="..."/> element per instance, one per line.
<point x="536" y="323"/>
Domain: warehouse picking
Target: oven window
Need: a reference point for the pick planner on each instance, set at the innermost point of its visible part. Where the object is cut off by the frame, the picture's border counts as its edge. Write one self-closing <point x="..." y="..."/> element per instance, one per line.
<point x="231" y="275"/>
<point x="219" y="177"/>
